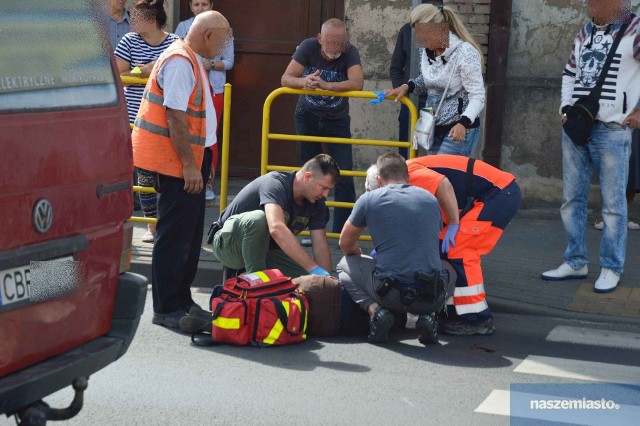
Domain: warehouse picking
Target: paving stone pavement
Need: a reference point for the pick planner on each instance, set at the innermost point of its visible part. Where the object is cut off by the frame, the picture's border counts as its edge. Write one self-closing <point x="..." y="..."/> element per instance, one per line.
<point x="533" y="243"/>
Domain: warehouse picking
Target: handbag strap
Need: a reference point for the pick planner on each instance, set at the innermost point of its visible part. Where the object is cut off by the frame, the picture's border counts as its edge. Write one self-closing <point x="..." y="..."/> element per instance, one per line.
<point x="453" y="70"/>
<point x="597" y="89"/>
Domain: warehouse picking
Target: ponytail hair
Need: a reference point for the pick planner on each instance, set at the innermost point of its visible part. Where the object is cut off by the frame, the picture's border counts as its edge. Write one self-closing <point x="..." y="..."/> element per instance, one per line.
<point x="428" y="13"/>
<point x="152" y="10"/>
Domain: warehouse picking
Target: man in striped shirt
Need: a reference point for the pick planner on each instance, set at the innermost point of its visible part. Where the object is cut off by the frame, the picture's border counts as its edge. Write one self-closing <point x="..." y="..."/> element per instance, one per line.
<point x="609" y="148"/>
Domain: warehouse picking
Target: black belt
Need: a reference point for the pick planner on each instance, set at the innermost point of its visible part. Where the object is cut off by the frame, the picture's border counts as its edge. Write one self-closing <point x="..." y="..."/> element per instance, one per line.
<point x="213" y="229"/>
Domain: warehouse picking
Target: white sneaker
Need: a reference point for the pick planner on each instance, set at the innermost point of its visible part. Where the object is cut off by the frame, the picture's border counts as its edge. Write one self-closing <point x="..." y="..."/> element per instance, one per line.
<point x="599" y="225"/>
<point x="633" y="225"/>
<point x="565" y="272"/>
<point x="607" y="281"/>
<point x="148" y="237"/>
<point x="210" y="195"/>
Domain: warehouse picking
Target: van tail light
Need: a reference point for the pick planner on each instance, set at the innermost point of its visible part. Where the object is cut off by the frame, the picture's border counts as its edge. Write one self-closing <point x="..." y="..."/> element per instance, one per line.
<point x="125" y="255"/>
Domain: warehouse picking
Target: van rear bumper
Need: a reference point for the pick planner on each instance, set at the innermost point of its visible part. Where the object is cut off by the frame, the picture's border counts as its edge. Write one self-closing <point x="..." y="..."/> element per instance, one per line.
<point x="31" y="384"/>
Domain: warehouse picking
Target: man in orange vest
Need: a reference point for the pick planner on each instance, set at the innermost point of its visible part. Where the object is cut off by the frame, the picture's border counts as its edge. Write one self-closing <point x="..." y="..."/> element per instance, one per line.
<point x="488" y="198"/>
<point x="173" y="135"/>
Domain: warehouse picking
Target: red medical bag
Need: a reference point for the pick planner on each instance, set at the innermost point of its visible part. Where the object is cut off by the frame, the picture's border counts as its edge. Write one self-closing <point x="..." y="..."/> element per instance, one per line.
<point x="260" y="308"/>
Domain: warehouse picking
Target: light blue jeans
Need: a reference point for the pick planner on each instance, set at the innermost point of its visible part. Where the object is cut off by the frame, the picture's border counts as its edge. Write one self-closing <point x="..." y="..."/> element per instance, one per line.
<point x="443" y="144"/>
<point x="608" y="153"/>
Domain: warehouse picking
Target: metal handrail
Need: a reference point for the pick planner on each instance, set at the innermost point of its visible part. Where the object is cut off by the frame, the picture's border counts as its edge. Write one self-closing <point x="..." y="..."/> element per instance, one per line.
<point x="267" y="136"/>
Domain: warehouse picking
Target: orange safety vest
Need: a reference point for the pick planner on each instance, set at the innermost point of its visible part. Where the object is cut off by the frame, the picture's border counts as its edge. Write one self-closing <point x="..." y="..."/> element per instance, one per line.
<point x="152" y="146"/>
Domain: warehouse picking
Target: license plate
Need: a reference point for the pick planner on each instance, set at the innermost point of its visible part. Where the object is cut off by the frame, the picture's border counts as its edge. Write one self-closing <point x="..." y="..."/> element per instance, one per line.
<point x="15" y="285"/>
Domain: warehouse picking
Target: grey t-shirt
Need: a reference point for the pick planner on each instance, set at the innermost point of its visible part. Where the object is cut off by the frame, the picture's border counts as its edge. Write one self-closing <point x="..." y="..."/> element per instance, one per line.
<point x="308" y="55"/>
<point x="277" y="187"/>
<point x="404" y="222"/>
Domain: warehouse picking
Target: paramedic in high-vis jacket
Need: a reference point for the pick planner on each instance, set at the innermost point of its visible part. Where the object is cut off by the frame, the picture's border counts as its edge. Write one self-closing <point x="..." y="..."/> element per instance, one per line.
<point x="488" y="198"/>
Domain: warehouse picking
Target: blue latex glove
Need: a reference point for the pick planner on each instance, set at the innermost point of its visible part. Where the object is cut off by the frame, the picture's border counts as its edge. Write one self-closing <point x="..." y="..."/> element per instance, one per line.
<point x="319" y="271"/>
<point x="380" y="95"/>
<point x="449" y="237"/>
<point x="374" y="253"/>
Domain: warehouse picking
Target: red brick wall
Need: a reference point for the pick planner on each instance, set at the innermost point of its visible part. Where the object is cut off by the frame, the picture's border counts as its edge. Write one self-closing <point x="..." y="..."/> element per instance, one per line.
<point x="475" y="15"/>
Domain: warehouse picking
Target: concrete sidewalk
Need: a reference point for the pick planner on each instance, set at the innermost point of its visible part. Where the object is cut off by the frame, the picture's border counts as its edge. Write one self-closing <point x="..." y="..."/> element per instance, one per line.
<point x="534" y="242"/>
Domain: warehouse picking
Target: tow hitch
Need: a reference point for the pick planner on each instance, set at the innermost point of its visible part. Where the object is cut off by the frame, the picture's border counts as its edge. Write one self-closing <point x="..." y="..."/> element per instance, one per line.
<point x="39" y="412"/>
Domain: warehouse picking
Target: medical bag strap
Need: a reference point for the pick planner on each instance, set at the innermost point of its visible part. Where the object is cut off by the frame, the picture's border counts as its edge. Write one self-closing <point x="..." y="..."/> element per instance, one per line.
<point x="284" y="319"/>
<point x="597" y="89"/>
<point x="469" y="189"/>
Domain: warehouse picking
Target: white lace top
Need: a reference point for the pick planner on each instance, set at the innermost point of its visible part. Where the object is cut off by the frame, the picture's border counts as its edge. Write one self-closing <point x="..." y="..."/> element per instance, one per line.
<point x="466" y="93"/>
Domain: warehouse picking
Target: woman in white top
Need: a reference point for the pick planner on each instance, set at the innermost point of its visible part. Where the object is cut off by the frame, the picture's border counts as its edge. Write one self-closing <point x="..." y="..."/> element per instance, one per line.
<point x="449" y="52"/>
<point x="217" y="69"/>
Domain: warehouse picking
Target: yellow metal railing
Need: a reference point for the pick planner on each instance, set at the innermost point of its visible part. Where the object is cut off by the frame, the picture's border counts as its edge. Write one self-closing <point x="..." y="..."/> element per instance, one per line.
<point x="267" y="136"/>
<point x="224" y="157"/>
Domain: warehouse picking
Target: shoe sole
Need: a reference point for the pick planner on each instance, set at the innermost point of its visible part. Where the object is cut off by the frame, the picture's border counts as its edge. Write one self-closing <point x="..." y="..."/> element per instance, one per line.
<point x="383" y="328"/>
<point x="567" y="278"/>
<point x="485" y="332"/>
<point x="609" y="290"/>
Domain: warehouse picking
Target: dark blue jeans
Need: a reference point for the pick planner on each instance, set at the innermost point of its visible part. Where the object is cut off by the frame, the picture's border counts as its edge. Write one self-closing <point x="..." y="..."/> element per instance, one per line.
<point x="308" y="124"/>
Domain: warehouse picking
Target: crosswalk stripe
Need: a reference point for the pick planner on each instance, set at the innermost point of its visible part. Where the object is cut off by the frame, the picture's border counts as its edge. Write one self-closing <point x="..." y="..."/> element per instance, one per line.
<point x="587" y="336"/>
<point x="498" y="402"/>
<point x="576" y="369"/>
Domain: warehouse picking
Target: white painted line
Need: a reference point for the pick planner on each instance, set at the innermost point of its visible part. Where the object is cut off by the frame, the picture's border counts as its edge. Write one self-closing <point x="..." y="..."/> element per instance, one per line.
<point x="589" y="336"/>
<point x="498" y="402"/>
<point x="576" y="369"/>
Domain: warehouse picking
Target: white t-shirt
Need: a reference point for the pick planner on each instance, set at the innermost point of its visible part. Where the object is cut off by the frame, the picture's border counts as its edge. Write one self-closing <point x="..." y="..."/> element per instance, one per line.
<point x="177" y="81"/>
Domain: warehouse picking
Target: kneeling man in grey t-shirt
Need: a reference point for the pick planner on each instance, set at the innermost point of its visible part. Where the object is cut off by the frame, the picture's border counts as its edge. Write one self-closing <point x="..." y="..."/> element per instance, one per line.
<point x="406" y="276"/>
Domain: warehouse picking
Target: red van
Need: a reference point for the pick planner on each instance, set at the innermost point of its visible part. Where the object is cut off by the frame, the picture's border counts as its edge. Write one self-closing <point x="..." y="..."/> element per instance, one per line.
<point x="68" y="306"/>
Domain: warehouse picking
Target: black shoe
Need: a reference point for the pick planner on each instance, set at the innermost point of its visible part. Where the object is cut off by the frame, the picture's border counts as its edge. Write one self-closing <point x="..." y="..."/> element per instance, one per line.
<point x="427" y="326"/>
<point x="170" y="320"/>
<point x="461" y="328"/>
<point x="400" y="320"/>
<point x="195" y="324"/>
<point x="380" y="325"/>
<point x="196" y="311"/>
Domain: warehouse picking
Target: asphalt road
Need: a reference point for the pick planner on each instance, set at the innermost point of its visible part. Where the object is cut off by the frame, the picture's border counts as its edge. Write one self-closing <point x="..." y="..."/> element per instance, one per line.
<point x="165" y="380"/>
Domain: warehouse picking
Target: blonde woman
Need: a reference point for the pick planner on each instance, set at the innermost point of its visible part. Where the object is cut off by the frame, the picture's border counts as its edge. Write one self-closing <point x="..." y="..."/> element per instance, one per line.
<point x="448" y="51"/>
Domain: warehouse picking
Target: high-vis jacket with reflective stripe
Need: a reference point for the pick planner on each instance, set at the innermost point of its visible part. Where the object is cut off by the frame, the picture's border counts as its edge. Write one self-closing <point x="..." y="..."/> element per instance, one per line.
<point x="152" y="146"/>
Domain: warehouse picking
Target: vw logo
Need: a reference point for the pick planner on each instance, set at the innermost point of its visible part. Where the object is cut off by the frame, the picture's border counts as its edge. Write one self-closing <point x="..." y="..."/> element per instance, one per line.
<point x="42" y="215"/>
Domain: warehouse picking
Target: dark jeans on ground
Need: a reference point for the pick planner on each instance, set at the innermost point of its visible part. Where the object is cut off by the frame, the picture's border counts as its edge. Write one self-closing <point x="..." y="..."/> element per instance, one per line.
<point x="176" y="250"/>
<point x="308" y="124"/>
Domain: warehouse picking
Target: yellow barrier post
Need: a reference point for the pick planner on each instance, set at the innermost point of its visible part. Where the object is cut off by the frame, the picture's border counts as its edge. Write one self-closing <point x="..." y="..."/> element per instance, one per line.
<point x="145" y="189"/>
<point x="224" y="157"/>
<point x="267" y="136"/>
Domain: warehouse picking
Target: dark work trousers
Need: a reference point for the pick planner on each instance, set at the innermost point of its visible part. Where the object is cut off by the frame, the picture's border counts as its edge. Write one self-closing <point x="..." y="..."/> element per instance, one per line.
<point x="309" y="124"/>
<point x="176" y="250"/>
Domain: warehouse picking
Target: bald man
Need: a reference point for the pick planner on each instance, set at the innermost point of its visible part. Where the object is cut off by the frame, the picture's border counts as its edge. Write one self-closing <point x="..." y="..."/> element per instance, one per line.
<point x="173" y="135"/>
<point x="327" y="62"/>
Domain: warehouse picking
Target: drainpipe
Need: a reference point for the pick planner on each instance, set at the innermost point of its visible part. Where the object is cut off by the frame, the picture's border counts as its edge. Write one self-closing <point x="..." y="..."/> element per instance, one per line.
<point x="498" y="53"/>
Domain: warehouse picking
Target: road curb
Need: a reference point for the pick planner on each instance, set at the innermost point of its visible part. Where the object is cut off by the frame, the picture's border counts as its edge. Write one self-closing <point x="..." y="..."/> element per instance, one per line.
<point x="510" y="306"/>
